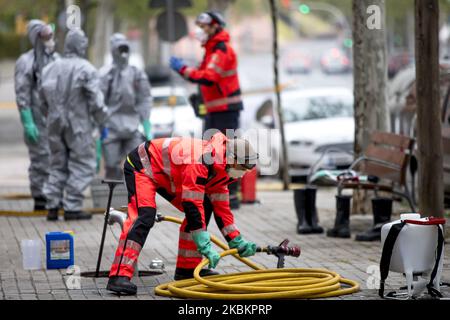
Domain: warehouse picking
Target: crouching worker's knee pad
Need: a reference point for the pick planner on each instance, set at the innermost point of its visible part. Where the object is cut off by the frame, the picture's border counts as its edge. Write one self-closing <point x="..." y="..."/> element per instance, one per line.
<point x="142" y="225"/>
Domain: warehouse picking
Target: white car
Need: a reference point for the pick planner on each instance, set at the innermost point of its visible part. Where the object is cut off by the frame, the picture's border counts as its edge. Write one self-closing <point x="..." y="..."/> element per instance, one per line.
<point x="172" y="115"/>
<point x="317" y="120"/>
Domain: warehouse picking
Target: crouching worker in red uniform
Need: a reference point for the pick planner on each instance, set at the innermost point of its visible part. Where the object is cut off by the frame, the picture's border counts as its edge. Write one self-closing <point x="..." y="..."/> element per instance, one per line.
<point x="193" y="175"/>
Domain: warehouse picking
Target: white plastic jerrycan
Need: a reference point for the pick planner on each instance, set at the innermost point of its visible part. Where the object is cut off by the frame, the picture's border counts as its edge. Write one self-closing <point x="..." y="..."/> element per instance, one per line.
<point x="31" y="254"/>
<point x="415" y="250"/>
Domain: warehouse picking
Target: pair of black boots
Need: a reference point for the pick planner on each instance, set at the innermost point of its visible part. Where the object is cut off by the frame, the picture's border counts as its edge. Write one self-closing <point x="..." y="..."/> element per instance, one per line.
<point x="305" y="207"/>
<point x="382" y="211"/>
<point x="52" y="215"/>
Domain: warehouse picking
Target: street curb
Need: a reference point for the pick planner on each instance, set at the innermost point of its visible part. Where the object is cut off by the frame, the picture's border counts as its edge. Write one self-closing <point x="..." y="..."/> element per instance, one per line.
<point x="41" y="213"/>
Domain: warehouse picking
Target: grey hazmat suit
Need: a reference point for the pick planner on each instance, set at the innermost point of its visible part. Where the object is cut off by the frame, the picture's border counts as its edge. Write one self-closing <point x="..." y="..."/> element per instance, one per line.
<point x="127" y="95"/>
<point x="28" y="75"/>
<point x="71" y="87"/>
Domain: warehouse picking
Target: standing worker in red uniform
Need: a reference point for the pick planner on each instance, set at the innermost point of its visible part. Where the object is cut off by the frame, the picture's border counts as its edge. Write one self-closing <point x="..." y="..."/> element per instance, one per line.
<point x="193" y="175"/>
<point x="218" y="79"/>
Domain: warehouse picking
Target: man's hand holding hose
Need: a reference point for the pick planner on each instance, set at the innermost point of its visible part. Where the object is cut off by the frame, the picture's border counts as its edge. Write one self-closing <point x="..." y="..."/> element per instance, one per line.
<point x="245" y="248"/>
<point x="204" y="246"/>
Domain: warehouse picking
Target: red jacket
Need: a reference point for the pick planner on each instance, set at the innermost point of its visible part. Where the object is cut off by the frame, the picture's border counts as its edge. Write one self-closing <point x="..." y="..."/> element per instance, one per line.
<point x="217" y="75"/>
<point x="188" y="169"/>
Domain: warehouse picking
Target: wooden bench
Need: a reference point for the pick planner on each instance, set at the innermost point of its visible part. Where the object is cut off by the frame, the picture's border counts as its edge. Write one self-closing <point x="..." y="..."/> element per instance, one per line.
<point x="446" y="165"/>
<point x="385" y="163"/>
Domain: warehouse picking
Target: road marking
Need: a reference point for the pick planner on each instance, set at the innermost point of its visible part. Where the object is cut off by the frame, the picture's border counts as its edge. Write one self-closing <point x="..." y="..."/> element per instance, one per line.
<point x="8" y="105"/>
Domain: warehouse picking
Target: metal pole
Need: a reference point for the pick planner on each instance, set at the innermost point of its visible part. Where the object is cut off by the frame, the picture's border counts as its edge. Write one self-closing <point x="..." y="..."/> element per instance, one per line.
<point x="100" y="253"/>
<point x="285" y="161"/>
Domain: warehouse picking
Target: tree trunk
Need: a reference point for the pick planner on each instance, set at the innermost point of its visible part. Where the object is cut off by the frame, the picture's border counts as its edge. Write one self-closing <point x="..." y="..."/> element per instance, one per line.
<point x="285" y="160"/>
<point x="431" y="186"/>
<point x="370" y="78"/>
<point x="104" y="25"/>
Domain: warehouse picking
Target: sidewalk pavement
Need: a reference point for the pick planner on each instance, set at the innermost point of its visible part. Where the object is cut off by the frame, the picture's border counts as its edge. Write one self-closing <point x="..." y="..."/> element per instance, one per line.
<point x="267" y="223"/>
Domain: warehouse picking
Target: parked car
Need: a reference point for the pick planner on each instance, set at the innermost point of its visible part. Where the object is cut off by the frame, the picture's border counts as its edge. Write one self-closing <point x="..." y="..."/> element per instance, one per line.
<point x="317" y="120"/>
<point x="297" y="62"/>
<point x="172" y="115"/>
<point x="335" y="61"/>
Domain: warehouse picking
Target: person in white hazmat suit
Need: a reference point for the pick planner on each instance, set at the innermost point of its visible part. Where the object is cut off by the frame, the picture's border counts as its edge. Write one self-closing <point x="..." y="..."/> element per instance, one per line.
<point x="76" y="108"/>
<point x="127" y="95"/>
<point x="27" y="82"/>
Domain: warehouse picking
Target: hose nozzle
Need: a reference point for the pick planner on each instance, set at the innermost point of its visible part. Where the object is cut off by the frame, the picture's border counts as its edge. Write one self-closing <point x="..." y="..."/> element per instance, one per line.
<point x="281" y="251"/>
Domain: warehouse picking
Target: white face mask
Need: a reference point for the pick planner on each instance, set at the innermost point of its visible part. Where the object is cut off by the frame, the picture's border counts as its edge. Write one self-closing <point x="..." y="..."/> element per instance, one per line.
<point x="201" y="35"/>
<point x="235" y="173"/>
<point x="49" y="46"/>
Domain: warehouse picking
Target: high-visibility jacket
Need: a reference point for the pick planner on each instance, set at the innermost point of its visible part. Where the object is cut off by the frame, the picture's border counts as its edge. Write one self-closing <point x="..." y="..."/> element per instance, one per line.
<point x="190" y="169"/>
<point x="217" y="75"/>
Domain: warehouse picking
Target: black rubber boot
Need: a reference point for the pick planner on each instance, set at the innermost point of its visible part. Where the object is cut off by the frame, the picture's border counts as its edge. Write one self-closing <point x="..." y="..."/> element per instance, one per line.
<point x="382" y="211"/>
<point x="300" y="209"/>
<point x="311" y="210"/>
<point x="305" y="207"/>
<point x="77" y="215"/>
<point x="39" y="203"/>
<point x="52" y="214"/>
<point x="182" y="274"/>
<point x="121" y="285"/>
<point x="342" y="223"/>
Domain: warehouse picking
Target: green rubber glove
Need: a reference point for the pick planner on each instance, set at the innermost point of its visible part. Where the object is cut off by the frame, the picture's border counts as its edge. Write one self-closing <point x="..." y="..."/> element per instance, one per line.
<point x="31" y="131"/>
<point x="245" y="248"/>
<point x="203" y="242"/>
<point x="98" y="151"/>
<point x="147" y="129"/>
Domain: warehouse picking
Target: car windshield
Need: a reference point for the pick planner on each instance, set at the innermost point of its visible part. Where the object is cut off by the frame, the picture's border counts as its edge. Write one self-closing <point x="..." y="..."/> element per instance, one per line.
<point x="317" y="107"/>
<point x="163" y="101"/>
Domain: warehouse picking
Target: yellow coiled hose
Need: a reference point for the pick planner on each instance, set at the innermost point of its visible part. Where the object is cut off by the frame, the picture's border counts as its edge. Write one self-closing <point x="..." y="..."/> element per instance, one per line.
<point x="258" y="284"/>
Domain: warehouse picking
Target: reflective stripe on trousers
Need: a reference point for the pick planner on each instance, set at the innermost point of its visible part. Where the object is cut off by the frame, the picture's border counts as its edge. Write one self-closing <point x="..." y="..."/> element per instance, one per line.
<point x="166" y="162"/>
<point x="228" y="229"/>
<point x="194" y="195"/>
<point x="186" y="253"/>
<point x="219" y="197"/>
<point x="223" y="101"/>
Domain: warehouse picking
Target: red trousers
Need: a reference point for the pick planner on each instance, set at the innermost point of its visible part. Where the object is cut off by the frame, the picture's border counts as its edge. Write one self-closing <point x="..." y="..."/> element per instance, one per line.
<point x="141" y="217"/>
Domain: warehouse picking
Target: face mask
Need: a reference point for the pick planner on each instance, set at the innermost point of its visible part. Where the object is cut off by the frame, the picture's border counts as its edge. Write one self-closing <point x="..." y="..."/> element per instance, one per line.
<point x="235" y="173"/>
<point x="49" y="46"/>
<point x="201" y="35"/>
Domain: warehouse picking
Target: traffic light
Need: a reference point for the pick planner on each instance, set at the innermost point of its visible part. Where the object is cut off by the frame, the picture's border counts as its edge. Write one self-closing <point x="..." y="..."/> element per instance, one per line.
<point x="286" y="3"/>
<point x="348" y="43"/>
<point x="304" y="8"/>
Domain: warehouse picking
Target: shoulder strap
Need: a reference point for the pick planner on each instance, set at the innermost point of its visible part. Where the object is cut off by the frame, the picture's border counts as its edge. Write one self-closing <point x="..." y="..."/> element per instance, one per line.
<point x="222" y="46"/>
<point x="387" y="254"/>
<point x="431" y="289"/>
